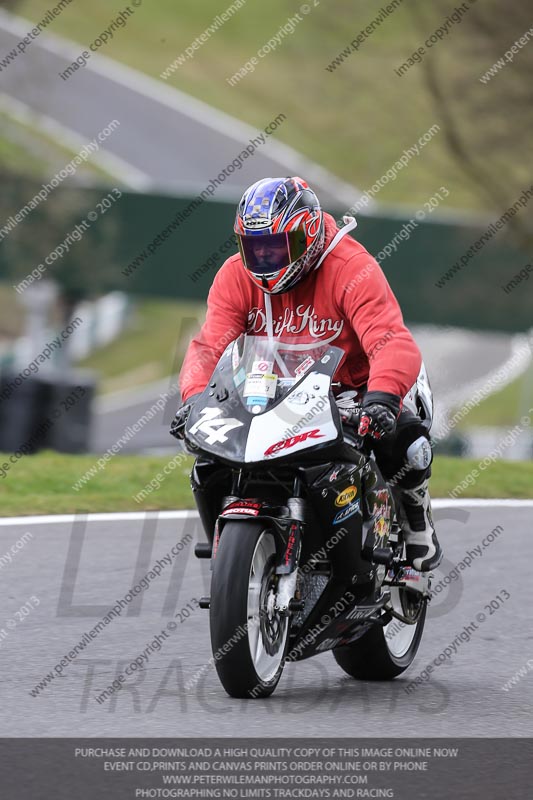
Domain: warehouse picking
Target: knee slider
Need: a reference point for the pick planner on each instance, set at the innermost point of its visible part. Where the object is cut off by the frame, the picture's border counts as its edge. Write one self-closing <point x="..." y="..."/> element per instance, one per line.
<point x="415" y="452"/>
<point x="419" y="454"/>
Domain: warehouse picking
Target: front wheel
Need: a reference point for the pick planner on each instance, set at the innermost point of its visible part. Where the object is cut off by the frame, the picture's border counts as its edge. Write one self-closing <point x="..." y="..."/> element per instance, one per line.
<point x="249" y="637"/>
<point x="385" y="652"/>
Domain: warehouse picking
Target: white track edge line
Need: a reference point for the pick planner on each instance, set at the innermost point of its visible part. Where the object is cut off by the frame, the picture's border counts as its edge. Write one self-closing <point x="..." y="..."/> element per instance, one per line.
<point x="132" y="516"/>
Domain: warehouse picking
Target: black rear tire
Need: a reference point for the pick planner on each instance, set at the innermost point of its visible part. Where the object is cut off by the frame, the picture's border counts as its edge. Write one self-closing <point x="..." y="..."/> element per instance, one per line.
<point x="249" y="638"/>
<point x="376" y="656"/>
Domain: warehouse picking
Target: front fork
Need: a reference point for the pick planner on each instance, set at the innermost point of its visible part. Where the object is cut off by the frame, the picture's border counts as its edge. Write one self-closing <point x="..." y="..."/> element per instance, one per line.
<point x="287" y="528"/>
<point x="287" y="581"/>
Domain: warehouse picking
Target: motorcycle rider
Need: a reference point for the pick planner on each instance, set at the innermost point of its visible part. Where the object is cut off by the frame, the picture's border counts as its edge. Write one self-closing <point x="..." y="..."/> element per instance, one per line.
<point x="297" y="271"/>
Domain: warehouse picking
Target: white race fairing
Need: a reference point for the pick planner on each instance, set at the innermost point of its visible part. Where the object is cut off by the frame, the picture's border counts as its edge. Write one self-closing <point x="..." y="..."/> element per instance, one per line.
<point x="301" y="419"/>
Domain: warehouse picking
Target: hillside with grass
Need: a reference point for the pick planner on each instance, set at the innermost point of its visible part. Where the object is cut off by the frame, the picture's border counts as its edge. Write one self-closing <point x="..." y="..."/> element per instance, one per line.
<point x="351" y="119"/>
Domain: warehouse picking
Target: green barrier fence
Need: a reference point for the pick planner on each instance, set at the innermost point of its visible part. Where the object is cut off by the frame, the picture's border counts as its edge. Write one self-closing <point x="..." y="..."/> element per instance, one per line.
<point x="94" y="240"/>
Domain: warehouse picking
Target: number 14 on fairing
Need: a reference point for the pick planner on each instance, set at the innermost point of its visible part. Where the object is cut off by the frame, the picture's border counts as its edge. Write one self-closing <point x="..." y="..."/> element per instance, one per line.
<point x="215" y="430"/>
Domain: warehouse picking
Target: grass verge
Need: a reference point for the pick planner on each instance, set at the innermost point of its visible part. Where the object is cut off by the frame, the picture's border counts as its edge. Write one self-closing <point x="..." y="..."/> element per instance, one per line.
<point x="150" y="348"/>
<point x="17" y="158"/>
<point x="503" y="408"/>
<point x="42" y="484"/>
<point x="29" y="152"/>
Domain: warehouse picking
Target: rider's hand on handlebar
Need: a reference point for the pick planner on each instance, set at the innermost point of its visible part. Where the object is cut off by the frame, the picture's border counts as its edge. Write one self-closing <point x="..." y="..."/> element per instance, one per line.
<point x="379" y="415"/>
<point x="349" y="407"/>
<point x="177" y="426"/>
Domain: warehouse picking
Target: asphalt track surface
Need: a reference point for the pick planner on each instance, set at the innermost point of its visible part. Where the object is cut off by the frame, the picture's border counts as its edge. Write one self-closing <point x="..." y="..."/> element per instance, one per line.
<point x="66" y="566"/>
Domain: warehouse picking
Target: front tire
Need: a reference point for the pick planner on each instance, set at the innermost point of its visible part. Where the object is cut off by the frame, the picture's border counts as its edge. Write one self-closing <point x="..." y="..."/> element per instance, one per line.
<point x="384" y="653"/>
<point x="249" y="638"/>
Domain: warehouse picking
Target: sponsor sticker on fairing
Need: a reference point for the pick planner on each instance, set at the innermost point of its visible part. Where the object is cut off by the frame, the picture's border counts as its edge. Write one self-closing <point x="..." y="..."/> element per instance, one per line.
<point x="260" y="401"/>
<point x="382" y="513"/>
<point x="260" y="384"/>
<point x="346" y="496"/>
<point x="299" y="398"/>
<point x="239" y="377"/>
<point x="244" y="507"/>
<point x="262" y="366"/>
<point x="381" y="510"/>
<point x="235" y="358"/>
<point x="410" y="574"/>
<point x="284" y="444"/>
<point x="349" y="511"/>
<point x="381" y="526"/>
<point x="304" y="366"/>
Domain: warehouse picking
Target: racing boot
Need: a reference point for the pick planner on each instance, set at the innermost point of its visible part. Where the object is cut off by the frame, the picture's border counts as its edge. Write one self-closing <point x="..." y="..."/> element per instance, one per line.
<point x="423" y="550"/>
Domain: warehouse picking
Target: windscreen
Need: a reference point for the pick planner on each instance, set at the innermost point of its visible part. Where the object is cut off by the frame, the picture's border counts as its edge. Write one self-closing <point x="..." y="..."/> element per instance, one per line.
<point x="264" y="370"/>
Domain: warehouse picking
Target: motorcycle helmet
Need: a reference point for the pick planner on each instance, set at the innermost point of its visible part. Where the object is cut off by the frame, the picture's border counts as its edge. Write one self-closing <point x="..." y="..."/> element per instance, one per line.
<point x="280" y="232"/>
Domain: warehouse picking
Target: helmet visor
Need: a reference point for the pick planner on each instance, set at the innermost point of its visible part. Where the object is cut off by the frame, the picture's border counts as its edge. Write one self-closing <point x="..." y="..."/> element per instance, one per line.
<point x="264" y="254"/>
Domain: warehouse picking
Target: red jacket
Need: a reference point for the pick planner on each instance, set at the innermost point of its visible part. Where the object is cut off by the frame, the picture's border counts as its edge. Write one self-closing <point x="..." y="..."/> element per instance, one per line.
<point x="347" y="301"/>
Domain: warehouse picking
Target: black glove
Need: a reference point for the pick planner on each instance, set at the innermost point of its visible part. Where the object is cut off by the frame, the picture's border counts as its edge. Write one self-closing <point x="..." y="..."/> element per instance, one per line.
<point x="177" y="426"/>
<point x="379" y="414"/>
